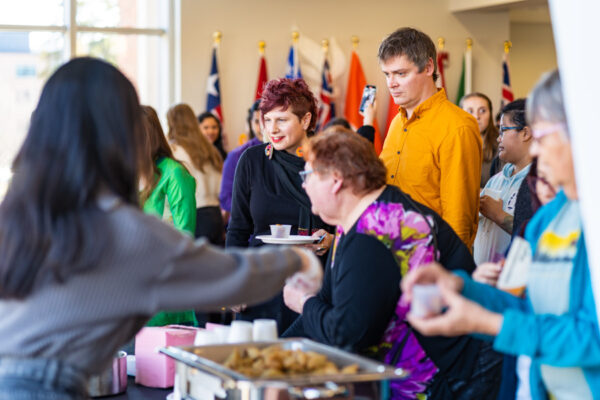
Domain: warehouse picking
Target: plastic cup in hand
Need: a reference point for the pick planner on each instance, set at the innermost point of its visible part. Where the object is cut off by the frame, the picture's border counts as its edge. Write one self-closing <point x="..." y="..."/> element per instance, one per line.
<point x="264" y="330"/>
<point x="241" y="331"/>
<point x="280" y="231"/>
<point x="494" y="194"/>
<point x="426" y="301"/>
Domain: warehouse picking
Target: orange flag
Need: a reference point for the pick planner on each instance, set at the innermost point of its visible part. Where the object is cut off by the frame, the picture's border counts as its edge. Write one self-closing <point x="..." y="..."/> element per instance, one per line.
<point x="354" y="90"/>
<point x="393" y="110"/>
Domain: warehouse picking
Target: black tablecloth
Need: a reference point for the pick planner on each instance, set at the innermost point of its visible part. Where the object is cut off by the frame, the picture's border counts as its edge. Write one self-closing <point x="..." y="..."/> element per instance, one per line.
<point x="138" y="392"/>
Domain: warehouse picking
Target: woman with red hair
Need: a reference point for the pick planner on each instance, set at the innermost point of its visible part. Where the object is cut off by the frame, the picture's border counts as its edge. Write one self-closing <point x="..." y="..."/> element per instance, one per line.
<point x="267" y="186"/>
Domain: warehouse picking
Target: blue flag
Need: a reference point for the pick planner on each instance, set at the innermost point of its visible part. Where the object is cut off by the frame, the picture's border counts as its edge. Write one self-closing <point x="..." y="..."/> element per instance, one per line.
<point x="293" y="69"/>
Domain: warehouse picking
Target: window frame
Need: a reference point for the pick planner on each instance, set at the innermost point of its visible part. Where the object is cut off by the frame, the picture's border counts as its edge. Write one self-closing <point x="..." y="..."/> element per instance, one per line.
<point x="71" y="28"/>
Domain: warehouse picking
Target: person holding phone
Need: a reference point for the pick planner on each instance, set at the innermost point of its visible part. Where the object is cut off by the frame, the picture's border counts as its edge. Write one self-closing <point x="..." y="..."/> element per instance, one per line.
<point x="554" y="330"/>
<point x="367" y="109"/>
<point x="433" y="149"/>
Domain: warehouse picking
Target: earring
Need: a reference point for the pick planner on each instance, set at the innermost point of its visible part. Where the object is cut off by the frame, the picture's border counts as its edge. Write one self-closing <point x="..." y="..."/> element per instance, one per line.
<point x="269" y="151"/>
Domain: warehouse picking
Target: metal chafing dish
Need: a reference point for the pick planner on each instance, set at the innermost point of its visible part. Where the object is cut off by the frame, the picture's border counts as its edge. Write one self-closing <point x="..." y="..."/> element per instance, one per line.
<point x="200" y="374"/>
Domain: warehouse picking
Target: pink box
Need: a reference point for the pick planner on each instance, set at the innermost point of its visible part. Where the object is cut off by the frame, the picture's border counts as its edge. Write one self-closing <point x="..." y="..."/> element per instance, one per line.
<point x="154" y="369"/>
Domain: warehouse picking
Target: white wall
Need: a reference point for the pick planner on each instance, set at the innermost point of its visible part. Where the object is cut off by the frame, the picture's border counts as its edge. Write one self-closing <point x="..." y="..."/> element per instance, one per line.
<point x="243" y="23"/>
<point x="532" y="54"/>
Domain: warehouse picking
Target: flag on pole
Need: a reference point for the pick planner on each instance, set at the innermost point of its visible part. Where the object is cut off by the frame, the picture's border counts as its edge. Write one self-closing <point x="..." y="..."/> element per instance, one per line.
<point x="464" y="85"/>
<point x="354" y="90"/>
<point x="326" y="105"/>
<point x="262" y="71"/>
<point x="213" y="92"/>
<point x="442" y="63"/>
<point x="469" y="67"/>
<point x="461" y="84"/>
<point x="507" y="93"/>
<point x="293" y="67"/>
<point x="393" y="110"/>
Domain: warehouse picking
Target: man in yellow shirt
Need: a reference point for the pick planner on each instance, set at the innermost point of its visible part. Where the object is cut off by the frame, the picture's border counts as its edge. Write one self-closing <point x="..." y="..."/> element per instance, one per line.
<point x="433" y="148"/>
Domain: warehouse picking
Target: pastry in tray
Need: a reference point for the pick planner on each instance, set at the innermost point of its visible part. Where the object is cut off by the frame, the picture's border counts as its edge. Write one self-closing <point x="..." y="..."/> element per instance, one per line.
<point x="275" y="362"/>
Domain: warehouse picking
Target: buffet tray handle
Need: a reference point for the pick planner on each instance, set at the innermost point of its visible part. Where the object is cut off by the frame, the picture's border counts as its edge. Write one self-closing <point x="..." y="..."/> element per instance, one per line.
<point x="327" y="391"/>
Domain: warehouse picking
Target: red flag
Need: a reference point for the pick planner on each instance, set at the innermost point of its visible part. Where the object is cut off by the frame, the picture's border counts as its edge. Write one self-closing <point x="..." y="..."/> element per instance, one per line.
<point x="393" y="110"/>
<point x="262" y="77"/>
<point x="354" y="90"/>
<point x="442" y="62"/>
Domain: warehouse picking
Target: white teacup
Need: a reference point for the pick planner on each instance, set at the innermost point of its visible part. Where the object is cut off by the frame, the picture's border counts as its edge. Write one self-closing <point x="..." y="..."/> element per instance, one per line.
<point x="280" y="231"/>
<point x="241" y="331"/>
<point x="264" y="330"/>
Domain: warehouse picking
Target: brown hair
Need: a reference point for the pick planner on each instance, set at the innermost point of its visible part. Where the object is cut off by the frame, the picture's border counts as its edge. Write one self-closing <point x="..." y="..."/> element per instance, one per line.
<point x="353" y="156"/>
<point x="155" y="147"/>
<point x="185" y="132"/>
<point x="412" y="43"/>
<point x="490" y="134"/>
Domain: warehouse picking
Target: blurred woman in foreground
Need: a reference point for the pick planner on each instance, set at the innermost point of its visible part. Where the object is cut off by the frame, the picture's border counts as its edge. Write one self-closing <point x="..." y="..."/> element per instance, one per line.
<point x="554" y="330"/>
<point x="82" y="268"/>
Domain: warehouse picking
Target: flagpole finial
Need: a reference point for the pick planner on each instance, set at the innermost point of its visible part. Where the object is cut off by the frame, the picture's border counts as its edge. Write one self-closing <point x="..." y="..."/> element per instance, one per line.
<point x="469" y="42"/>
<point x="261" y="47"/>
<point x="325" y="44"/>
<point x="507" y="46"/>
<point x="441" y="43"/>
<point x="217" y="35"/>
<point x="295" y="36"/>
<point x="355" y="41"/>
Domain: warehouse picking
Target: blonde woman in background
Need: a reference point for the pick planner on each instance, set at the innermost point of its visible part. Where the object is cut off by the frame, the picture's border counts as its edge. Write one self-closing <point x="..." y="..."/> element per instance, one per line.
<point x="205" y="164"/>
<point x="480" y="106"/>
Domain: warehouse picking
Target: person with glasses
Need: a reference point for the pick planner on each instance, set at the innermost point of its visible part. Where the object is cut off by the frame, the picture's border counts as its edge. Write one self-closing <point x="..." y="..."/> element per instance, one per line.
<point x="382" y="233"/>
<point x="554" y="330"/>
<point x="267" y="188"/>
<point x="499" y="196"/>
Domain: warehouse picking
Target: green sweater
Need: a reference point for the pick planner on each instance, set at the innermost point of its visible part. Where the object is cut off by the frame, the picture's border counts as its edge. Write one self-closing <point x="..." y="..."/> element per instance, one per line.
<point x="177" y="187"/>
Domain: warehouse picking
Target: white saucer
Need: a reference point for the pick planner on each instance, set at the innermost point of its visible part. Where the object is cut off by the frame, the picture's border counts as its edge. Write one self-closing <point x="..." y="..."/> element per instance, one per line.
<point x="292" y="239"/>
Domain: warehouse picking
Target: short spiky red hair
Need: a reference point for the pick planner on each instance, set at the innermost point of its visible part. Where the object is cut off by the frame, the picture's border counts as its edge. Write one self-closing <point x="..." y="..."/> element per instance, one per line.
<point x="292" y="94"/>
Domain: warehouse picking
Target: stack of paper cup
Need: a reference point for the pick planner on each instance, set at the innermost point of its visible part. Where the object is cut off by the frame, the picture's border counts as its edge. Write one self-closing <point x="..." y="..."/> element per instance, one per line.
<point x="264" y="330"/>
<point x="241" y="331"/>
<point x="221" y="334"/>
<point x="204" y="337"/>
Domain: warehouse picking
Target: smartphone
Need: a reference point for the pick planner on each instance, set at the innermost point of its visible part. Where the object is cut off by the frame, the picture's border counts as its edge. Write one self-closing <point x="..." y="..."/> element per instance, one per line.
<point x="368" y="97"/>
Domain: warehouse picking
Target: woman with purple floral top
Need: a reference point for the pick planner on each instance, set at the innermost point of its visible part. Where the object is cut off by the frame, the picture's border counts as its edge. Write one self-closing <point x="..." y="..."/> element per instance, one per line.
<point x="381" y="235"/>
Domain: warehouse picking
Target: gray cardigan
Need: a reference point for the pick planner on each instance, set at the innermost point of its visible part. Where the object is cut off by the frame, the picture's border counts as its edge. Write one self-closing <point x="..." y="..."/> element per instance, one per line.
<point x="148" y="267"/>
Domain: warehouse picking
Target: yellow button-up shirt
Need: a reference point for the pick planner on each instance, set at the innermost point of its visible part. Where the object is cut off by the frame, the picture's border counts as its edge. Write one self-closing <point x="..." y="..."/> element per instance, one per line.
<point x="435" y="156"/>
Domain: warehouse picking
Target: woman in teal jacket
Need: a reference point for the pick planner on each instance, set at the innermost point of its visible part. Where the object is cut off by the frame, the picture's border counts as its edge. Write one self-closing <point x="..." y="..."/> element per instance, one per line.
<point x="555" y="326"/>
<point x="168" y="192"/>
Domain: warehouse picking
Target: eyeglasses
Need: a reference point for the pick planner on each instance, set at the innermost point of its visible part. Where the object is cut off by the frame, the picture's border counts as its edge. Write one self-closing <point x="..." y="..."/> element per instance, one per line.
<point x="540" y="133"/>
<point x="503" y="129"/>
<point x="305" y="174"/>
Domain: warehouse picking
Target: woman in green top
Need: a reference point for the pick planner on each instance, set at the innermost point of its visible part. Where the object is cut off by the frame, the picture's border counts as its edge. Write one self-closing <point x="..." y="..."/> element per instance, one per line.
<point x="168" y="191"/>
